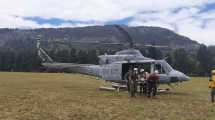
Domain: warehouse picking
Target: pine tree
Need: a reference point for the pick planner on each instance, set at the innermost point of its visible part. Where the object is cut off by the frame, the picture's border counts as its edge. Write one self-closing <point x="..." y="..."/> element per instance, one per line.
<point x="205" y="60"/>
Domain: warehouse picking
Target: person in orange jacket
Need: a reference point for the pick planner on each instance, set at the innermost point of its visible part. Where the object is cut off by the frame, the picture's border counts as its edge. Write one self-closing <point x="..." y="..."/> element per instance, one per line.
<point x="212" y="85"/>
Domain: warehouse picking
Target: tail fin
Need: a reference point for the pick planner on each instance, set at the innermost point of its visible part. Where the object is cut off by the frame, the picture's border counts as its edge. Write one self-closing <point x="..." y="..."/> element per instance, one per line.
<point x="42" y="54"/>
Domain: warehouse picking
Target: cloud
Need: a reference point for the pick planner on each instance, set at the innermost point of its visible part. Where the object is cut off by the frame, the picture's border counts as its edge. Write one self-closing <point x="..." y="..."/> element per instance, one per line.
<point x="193" y="18"/>
<point x="15" y="22"/>
<point x="98" y="10"/>
<point x="187" y="21"/>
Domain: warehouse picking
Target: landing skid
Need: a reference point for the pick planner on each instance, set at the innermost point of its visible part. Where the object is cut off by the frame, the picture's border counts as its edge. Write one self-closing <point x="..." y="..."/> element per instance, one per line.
<point x="119" y="87"/>
<point x="107" y="89"/>
<point x="163" y="90"/>
<point x="115" y="87"/>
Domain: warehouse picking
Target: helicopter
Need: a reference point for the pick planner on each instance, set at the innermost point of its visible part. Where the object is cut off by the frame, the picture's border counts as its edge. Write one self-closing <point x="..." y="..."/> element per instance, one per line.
<point x="113" y="68"/>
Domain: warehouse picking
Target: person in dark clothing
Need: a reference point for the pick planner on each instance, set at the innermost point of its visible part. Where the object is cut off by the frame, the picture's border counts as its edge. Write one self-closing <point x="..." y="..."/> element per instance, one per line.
<point x="128" y="79"/>
<point x="133" y="82"/>
<point x="152" y="84"/>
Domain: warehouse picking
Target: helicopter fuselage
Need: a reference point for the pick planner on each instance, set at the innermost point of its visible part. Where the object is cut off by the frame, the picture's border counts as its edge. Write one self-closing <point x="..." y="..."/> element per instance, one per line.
<point x="115" y="71"/>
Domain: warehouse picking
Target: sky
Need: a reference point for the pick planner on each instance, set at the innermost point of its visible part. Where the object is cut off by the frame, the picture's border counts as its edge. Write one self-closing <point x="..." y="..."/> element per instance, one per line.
<point x="192" y="18"/>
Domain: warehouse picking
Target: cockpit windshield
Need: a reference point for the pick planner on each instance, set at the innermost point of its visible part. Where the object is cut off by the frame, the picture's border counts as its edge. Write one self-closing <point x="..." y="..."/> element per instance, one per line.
<point x="163" y="67"/>
<point x="166" y="66"/>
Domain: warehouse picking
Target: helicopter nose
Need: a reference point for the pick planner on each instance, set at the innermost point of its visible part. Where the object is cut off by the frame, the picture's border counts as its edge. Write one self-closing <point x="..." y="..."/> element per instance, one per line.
<point x="186" y="78"/>
<point x="180" y="76"/>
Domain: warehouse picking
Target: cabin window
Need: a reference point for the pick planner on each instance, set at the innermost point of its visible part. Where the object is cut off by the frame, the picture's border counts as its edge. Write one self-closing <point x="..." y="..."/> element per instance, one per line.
<point x="160" y="68"/>
<point x="106" y="61"/>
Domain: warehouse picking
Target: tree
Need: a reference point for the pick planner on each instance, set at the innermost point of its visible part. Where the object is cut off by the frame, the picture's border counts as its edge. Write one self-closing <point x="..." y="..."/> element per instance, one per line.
<point x="212" y="53"/>
<point x="204" y="58"/>
<point x="62" y="56"/>
<point x="182" y="61"/>
<point x="73" y="55"/>
<point x="82" y="57"/>
<point x="92" y="57"/>
<point x="154" y="53"/>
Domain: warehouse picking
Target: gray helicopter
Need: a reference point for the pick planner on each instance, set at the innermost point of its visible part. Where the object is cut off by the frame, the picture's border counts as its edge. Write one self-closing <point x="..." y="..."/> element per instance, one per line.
<point x="113" y="68"/>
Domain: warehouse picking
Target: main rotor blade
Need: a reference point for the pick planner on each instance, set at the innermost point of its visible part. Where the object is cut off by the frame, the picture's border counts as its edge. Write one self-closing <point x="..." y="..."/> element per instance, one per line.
<point x="81" y="42"/>
<point x="129" y="39"/>
<point x="156" y="46"/>
<point x="126" y="35"/>
<point x="66" y="42"/>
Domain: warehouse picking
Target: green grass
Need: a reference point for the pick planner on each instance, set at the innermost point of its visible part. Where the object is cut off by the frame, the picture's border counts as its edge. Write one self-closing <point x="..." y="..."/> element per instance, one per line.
<point x="49" y="96"/>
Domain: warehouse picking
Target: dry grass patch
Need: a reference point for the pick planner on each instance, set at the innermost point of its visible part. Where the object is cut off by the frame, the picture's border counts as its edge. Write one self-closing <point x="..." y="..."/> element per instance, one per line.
<point x="49" y="96"/>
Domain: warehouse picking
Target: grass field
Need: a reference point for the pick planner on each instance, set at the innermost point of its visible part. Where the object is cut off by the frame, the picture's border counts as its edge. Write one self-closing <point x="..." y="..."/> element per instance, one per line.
<point x="49" y="96"/>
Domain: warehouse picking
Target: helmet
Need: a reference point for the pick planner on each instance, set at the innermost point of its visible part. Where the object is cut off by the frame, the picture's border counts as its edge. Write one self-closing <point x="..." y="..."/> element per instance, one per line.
<point x="142" y="70"/>
<point x="156" y="72"/>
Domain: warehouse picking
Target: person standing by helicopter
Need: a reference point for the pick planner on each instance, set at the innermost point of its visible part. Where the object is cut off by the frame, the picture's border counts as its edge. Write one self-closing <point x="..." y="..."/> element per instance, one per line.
<point x="142" y="78"/>
<point x="152" y="84"/>
<point x="146" y="80"/>
<point x="133" y="82"/>
<point x="127" y="77"/>
<point x="212" y="85"/>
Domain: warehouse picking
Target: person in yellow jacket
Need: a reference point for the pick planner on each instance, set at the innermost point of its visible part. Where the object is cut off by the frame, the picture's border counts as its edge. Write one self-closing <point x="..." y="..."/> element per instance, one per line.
<point x="212" y="85"/>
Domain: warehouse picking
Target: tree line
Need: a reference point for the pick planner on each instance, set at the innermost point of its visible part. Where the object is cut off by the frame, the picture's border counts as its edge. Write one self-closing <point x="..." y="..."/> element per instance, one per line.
<point x="195" y="63"/>
<point x="199" y="62"/>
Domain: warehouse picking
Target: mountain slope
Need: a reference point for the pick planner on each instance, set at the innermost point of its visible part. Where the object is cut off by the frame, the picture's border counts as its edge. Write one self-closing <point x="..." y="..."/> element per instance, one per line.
<point x="18" y="39"/>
